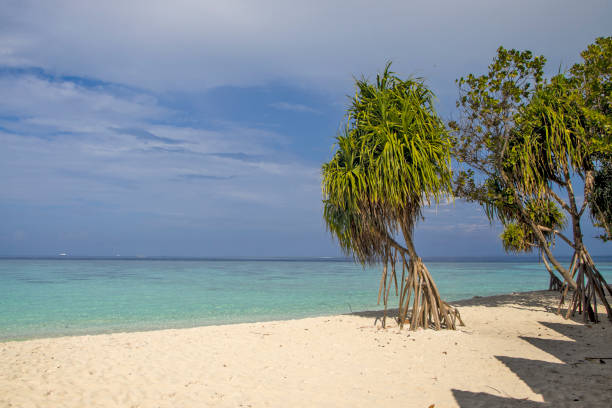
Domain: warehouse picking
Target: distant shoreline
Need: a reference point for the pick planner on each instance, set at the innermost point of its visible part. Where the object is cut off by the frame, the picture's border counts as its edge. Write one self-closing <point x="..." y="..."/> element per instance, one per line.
<point x="500" y="259"/>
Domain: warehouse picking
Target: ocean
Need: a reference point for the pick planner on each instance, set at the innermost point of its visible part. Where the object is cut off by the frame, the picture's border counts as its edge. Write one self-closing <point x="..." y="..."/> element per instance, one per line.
<point x="57" y="297"/>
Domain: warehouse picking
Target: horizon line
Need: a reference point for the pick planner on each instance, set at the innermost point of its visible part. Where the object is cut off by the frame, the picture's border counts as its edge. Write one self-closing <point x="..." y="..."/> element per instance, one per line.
<point x="510" y="257"/>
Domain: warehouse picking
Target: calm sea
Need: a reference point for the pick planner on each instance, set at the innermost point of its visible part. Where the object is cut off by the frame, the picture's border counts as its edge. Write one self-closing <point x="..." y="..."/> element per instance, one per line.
<point x="53" y="297"/>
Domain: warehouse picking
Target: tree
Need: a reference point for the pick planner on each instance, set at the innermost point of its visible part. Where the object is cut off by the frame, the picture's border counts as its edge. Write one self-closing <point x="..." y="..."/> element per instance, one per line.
<point x="557" y="143"/>
<point x="536" y="140"/>
<point x="392" y="159"/>
<point x="488" y="107"/>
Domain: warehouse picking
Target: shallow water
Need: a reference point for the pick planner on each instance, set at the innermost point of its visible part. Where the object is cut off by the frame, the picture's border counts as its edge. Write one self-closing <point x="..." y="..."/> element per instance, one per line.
<point x="52" y="297"/>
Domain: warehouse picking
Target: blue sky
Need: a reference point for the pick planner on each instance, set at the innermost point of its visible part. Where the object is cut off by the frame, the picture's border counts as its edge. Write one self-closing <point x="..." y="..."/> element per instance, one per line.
<point x="196" y="128"/>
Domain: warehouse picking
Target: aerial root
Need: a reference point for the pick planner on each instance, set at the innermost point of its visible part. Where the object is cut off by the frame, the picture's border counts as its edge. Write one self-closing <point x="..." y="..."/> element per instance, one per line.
<point x="419" y="295"/>
<point x="591" y="286"/>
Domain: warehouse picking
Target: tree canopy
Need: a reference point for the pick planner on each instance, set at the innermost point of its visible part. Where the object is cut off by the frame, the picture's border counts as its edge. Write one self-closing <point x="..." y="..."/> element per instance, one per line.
<point x="392" y="158"/>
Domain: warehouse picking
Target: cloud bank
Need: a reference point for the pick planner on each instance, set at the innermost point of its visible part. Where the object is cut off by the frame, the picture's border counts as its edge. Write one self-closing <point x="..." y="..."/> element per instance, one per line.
<point x="196" y="45"/>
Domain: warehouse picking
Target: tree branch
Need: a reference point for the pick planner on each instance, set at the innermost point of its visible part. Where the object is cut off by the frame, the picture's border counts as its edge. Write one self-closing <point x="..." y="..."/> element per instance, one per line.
<point x="589" y="182"/>
<point x="584" y="206"/>
<point x="539" y="236"/>
<point x="560" y="201"/>
<point x="556" y="232"/>
<point x="385" y="236"/>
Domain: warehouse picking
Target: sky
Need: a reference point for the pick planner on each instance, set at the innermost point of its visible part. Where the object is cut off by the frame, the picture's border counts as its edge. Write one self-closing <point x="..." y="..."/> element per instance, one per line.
<point x="198" y="128"/>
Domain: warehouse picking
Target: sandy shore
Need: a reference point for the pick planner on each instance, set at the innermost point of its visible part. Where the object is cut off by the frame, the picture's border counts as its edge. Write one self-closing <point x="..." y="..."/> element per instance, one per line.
<point x="513" y="352"/>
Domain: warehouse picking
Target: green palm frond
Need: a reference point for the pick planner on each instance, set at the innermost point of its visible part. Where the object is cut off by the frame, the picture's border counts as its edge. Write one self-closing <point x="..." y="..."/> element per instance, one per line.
<point x="392" y="158"/>
<point x="550" y="138"/>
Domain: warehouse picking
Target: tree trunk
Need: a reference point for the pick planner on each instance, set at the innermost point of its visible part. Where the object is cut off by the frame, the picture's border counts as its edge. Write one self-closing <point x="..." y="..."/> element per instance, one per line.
<point x="555" y="283"/>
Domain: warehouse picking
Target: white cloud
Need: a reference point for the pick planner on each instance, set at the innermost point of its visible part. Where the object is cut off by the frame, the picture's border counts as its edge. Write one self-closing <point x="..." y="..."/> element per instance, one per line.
<point x="69" y="143"/>
<point x="194" y="44"/>
<point x="294" y="107"/>
<point x="72" y="107"/>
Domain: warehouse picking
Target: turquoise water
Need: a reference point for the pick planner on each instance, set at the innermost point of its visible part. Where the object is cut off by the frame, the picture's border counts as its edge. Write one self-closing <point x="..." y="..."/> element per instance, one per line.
<point x="42" y="298"/>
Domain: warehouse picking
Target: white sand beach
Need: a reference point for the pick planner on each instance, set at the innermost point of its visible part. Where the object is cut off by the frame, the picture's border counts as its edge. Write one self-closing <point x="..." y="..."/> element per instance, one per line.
<point x="512" y="352"/>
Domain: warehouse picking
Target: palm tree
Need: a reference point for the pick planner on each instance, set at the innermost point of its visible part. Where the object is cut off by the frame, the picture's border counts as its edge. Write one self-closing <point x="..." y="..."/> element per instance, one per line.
<point x="391" y="160"/>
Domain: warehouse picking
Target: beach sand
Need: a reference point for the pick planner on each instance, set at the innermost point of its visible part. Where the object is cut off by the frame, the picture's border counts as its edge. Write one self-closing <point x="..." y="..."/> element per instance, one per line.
<point x="512" y="352"/>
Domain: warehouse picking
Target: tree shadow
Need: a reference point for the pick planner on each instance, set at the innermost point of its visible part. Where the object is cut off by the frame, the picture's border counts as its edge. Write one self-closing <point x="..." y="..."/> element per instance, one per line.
<point x="482" y="399"/>
<point x="376" y="314"/>
<point x="580" y="379"/>
<point x="537" y="300"/>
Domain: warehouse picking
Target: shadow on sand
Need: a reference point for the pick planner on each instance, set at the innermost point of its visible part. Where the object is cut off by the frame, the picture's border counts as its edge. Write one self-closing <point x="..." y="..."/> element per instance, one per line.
<point x="580" y="379"/>
<point x="536" y="300"/>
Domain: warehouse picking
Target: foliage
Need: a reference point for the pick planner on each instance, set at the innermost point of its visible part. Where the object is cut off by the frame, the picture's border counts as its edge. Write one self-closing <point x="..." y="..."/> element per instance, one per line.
<point x="593" y="81"/>
<point x="600" y="200"/>
<point x="513" y="239"/>
<point x="488" y="105"/>
<point x="566" y="130"/>
<point x="550" y="141"/>
<point x="524" y="139"/>
<point x="520" y="132"/>
<point x="392" y="158"/>
<point x="488" y="146"/>
<point x="518" y="237"/>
